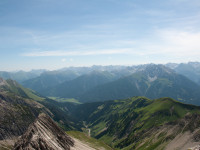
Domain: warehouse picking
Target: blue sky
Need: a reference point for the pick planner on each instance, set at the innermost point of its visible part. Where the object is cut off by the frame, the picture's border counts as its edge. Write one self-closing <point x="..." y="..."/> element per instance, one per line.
<point x="53" y="34"/>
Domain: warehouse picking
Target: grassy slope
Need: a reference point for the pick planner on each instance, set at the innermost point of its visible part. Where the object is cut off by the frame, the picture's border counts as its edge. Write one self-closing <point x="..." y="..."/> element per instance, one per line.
<point x="59" y="110"/>
<point x="16" y="88"/>
<point x="117" y="122"/>
<point x="99" y="145"/>
<point x="71" y="100"/>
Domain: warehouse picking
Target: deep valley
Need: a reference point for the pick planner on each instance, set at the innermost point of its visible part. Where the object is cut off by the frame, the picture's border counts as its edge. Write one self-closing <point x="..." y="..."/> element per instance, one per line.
<point x="128" y="121"/>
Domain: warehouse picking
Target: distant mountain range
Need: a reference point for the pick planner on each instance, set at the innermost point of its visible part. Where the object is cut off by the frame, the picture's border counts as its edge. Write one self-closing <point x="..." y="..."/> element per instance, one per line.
<point x="49" y="79"/>
<point x="78" y="86"/>
<point x="133" y="123"/>
<point x="99" y="83"/>
<point x="154" y="81"/>
<point x="21" y="76"/>
<point x="191" y="70"/>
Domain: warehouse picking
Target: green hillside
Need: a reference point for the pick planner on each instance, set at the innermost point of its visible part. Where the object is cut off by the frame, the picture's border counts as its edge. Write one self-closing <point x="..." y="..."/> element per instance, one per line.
<point x="124" y="123"/>
<point x="60" y="111"/>
<point x="16" y="114"/>
<point x="133" y="123"/>
<point x="13" y="87"/>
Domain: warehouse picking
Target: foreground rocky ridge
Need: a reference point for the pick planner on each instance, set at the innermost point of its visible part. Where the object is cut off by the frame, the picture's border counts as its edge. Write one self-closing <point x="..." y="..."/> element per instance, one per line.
<point x="18" y="104"/>
<point x="16" y="114"/>
<point x="44" y="134"/>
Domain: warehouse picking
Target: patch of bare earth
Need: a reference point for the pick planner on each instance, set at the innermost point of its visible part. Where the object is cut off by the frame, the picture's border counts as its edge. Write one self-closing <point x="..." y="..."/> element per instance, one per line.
<point x="79" y="145"/>
<point x="183" y="141"/>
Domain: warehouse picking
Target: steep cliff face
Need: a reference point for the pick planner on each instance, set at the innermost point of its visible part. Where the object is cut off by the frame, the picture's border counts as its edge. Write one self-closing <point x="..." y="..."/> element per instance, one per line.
<point x="44" y="134"/>
<point x="16" y="114"/>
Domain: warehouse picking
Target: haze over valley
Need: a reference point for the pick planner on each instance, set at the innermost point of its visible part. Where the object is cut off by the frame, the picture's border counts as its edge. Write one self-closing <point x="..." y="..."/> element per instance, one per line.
<point x="99" y="75"/>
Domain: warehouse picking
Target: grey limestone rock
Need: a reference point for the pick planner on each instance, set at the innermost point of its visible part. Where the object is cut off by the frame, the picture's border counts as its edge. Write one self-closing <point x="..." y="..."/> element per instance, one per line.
<point x="44" y="134"/>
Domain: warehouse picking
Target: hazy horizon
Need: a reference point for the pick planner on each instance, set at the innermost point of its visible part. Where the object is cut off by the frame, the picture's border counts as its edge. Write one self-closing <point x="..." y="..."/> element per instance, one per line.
<point x="32" y="69"/>
<point x="52" y="34"/>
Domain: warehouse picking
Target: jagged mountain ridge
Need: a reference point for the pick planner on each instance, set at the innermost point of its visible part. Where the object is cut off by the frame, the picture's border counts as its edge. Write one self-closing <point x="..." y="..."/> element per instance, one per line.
<point x="49" y="79"/>
<point x="21" y="76"/>
<point x="191" y="70"/>
<point x="14" y="111"/>
<point x="14" y="87"/>
<point x="153" y="81"/>
<point x="19" y="104"/>
<point x="44" y="134"/>
<point x="37" y="79"/>
<point x="76" y="87"/>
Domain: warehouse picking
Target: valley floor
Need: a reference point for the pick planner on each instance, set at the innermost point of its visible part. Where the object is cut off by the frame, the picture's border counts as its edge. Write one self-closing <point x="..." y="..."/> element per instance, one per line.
<point x="80" y="145"/>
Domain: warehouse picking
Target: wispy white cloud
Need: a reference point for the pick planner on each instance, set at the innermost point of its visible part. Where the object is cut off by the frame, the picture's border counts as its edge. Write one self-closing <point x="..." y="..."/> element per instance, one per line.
<point x="165" y="42"/>
<point x="177" y="42"/>
<point x="76" y="53"/>
<point x="170" y="45"/>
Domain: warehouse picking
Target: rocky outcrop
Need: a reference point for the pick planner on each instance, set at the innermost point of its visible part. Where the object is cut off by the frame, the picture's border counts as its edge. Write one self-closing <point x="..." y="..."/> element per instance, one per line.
<point x="44" y="134"/>
<point x="16" y="114"/>
<point x="183" y="134"/>
<point x="2" y="82"/>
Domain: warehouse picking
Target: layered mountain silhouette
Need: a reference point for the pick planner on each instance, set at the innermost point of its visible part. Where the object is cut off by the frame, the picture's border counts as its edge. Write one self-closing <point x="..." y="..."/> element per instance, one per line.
<point x="99" y="83"/>
<point x="49" y="79"/>
<point x="153" y="82"/>
<point x="78" y="86"/>
<point x="52" y="79"/>
<point x="191" y="70"/>
<point x="21" y="76"/>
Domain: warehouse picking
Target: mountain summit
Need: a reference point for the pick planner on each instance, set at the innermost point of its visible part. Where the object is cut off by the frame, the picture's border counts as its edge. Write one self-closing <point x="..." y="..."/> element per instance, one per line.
<point x="44" y="134"/>
<point x="153" y="81"/>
